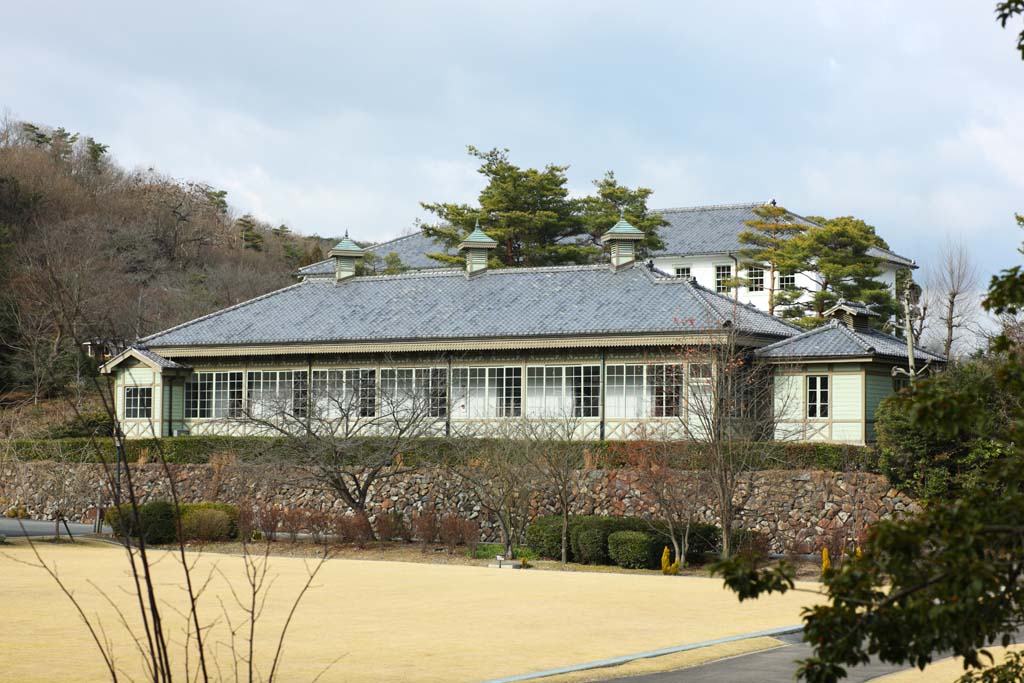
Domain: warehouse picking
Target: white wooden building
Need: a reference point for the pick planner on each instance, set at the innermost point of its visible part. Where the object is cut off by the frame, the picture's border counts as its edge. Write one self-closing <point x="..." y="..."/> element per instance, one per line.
<point x="616" y="351"/>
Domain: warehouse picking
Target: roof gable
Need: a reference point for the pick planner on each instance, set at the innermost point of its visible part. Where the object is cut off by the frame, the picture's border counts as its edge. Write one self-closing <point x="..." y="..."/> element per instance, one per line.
<point x="835" y="340"/>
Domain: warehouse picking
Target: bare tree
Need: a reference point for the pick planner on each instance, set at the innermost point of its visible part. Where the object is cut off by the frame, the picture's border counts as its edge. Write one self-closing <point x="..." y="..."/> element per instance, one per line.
<point x="955" y="280"/>
<point x="349" y="430"/>
<point x="499" y="472"/>
<point x="557" y="460"/>
<point x="731" y="414"/>
<point x="671" y="486"/>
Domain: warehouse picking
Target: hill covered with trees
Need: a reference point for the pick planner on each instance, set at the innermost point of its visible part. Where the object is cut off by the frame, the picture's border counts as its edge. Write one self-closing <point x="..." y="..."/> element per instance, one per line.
<point x="90" y="250"/>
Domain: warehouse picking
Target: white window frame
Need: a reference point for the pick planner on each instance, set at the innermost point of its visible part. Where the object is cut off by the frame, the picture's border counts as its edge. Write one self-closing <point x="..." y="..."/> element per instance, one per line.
<point x="787" y="283"/>
<point x="490" y="392"/>
<point x="684" y="271"/>
<point x="138" y="403"/>
<point x="816" y="386"/>
<point x="208" y="395"/>
<point x="755" y="279"/>
<point x="721" y="285"/>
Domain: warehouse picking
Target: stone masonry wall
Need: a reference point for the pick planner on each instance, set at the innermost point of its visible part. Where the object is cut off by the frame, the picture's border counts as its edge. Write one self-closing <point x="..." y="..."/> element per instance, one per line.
<point x="798" y="510"/>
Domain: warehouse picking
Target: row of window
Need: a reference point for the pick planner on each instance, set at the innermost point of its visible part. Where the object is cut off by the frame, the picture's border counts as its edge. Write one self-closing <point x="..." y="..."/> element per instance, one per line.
<point x="484" y="392"/>
<point x="632" y="391"/>
<point x="755" y="278"/>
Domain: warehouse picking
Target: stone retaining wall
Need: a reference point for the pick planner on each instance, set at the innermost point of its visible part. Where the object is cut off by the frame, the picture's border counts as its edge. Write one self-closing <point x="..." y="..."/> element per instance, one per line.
<point x="798" y="510"/>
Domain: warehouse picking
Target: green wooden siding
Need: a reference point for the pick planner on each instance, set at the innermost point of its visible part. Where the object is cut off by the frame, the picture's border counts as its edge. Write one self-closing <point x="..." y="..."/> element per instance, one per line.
<point x="877" y="387"/>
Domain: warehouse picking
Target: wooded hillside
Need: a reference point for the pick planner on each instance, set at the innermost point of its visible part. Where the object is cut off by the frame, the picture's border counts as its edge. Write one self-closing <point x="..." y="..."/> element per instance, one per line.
<point x="90" y="250"/>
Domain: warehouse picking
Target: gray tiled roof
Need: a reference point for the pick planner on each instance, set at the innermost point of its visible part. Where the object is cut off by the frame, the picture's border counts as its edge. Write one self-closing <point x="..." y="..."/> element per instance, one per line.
<point x="691" y="230"/>
<point x="445" y="304"/>
<point x="716" y="230"/>
<point x="165" y="363"/>
<point x="411" y="249"/>
<point x="835" y="340"/>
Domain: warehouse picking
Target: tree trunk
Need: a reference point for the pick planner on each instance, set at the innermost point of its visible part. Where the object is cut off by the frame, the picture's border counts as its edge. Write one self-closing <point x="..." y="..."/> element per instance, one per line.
<point x="950" y="310"/>
<point x="565" y="536"/>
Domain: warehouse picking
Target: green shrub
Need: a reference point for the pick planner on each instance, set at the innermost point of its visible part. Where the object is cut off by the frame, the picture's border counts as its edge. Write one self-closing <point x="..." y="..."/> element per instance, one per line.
<point x="157" y="521"/>
<point x="704" y="539"/>
<point x="634" y="549"/>
<point x="544" y="535"/>
<point x="230" y="511"/>
<point x="589" y="536"/>
<point x="205" y="524"/>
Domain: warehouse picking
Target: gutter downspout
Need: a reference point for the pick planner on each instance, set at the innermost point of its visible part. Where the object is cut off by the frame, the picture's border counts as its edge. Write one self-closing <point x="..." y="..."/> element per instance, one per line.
<point x="736" y="278"/>
<point x="448" y="391"/>
<point x="604" y="359"/>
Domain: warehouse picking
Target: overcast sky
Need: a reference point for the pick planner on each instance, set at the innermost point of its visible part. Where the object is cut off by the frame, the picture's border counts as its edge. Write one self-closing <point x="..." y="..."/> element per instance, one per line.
<point x="332" y="116"/>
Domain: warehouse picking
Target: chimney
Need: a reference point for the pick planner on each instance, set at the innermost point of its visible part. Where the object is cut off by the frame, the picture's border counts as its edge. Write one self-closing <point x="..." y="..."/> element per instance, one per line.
<point x="622" y="239"/>
<point x="852" y="314"/>
<point x="345" y="254"/>
<point x="477" y="247"/>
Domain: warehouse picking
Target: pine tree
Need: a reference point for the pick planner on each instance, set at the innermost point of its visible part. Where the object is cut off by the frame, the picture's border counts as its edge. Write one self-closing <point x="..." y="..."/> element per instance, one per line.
<point x="834" y="257"/>
<point x="771" y="231"/>
<point x="252" y="236"/>
<point x="529" y="213"/>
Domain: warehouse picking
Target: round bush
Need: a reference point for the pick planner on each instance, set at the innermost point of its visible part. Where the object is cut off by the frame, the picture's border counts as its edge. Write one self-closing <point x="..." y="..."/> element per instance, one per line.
<point x="206" y="525"/>
<point x="633" y="549"/>
<point x="230" y="510"/>
<point x="591" y="545"/>
<point x="159" y="522"/>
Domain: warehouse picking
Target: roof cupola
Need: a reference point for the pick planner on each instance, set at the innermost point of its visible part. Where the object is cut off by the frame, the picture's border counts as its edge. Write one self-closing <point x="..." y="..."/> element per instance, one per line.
<point x="476" y="247"/>
<point x="346" y="254"/>
<point x="854" y="315"/>
<point x="622" y="239"/>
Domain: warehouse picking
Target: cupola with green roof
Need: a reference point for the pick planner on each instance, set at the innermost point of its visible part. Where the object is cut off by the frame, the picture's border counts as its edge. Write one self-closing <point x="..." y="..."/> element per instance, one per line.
<point x="622" y="240"/>
<point x="476" y="247"/>
<point x="345" y="254"/>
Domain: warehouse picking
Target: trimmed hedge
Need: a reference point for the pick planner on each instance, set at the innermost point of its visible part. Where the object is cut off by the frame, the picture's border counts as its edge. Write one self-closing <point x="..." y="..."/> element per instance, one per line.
<point x="603" y="454"/>
<point x="588" y="536"/>
<point x="544" y="535"/>
<point x="634" y="549"/>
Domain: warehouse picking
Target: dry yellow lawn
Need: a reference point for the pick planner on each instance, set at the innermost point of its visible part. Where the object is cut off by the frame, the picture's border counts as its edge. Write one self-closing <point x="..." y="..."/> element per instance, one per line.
<point x="943" y="671"/>
<point x="385" y="620"/>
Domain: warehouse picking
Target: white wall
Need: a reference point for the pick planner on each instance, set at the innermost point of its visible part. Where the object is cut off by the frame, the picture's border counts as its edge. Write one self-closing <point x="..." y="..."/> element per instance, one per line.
<point x="703" y="269"/>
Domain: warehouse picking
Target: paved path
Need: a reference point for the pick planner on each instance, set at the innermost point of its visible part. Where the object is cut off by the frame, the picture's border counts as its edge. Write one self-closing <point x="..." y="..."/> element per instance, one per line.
<point x="769" y="666"/>
<point x="35" y="527"/>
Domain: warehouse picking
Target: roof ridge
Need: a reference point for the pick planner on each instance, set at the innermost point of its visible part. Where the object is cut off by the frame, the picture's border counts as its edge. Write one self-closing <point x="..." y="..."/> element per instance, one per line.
<point x="706" y="207"/>
<point x="736" y="302"/>
<point x="396" y="239"/>
<point x="698" y="292"/>
<point x="439" y="272"/>
<point x="201" y="318"/>
<point x="870" y="348"/>
<point x="795" y="338"/>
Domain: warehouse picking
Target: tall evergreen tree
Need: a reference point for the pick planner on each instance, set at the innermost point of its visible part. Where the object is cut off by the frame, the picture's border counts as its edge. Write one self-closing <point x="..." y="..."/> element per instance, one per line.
<point x="529" y="213"/>
<point x="835" y="259"/>
<point x="766" y="244"/>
